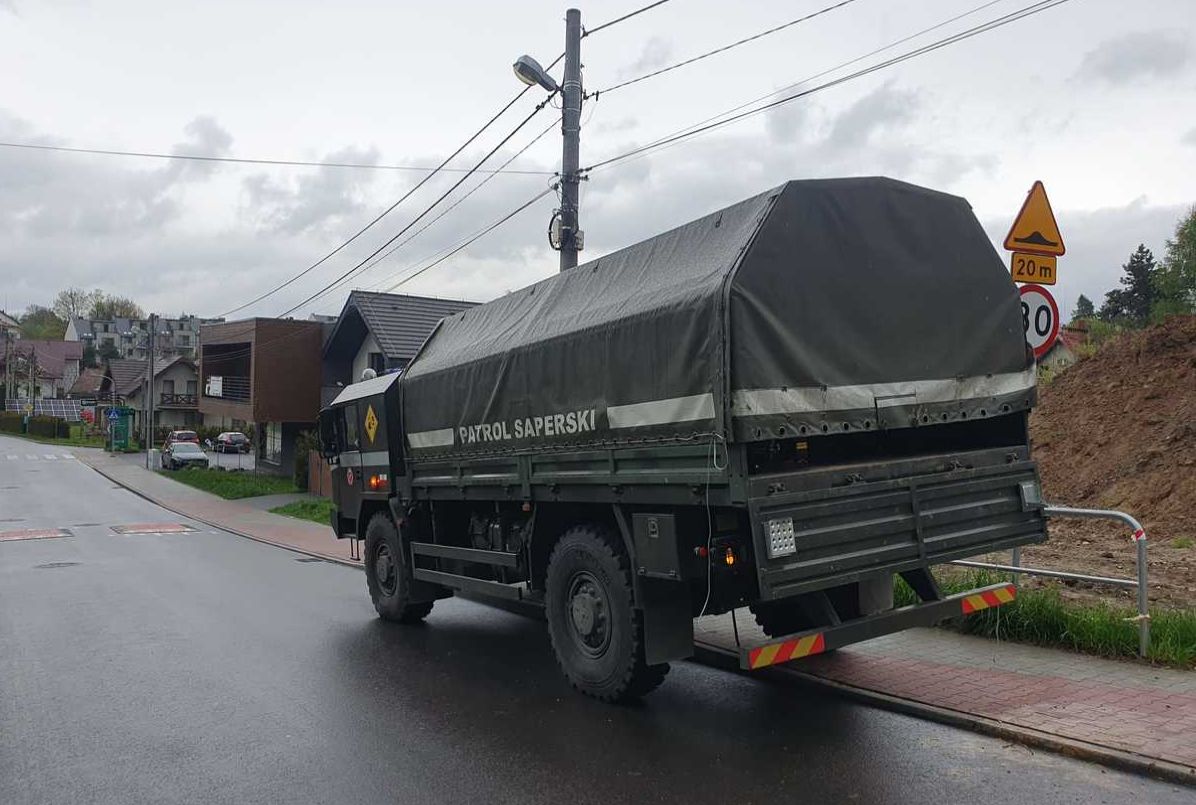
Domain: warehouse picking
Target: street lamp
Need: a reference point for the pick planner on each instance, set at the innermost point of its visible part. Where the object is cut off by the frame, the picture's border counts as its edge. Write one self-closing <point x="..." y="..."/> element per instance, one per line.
<point x="529" y="71"/>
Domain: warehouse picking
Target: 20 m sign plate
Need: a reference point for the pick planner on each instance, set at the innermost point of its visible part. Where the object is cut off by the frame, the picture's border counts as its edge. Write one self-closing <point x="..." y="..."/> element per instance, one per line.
<point x="1040" y="318"/>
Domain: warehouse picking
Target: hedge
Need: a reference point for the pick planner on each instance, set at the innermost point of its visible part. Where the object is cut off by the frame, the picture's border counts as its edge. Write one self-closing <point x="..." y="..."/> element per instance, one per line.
<point x="49" y="427"/>
<point x="10" y="422"/>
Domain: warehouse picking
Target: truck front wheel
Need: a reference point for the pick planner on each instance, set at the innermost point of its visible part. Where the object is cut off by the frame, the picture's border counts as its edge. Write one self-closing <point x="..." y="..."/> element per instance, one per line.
<point x="596" y="632"/>
<point x="387" y="574"/>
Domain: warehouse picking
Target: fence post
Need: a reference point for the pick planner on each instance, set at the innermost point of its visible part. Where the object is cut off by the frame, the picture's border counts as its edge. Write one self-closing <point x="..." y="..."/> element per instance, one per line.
<point x="1016" y="561"/>
<point x="1143" y="606"/>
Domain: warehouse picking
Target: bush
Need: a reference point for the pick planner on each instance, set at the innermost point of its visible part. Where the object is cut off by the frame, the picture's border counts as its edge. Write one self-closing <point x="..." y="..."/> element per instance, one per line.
<point x="49" y="427"/>
<point x="10" y="422"/>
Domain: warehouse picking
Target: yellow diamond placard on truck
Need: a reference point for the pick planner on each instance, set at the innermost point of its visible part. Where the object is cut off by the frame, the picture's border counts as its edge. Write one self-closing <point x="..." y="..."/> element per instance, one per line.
<point x="371" y="423"/>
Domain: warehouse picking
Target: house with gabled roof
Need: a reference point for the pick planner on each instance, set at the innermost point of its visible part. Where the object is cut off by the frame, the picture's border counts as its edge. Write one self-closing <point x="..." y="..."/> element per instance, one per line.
<point x="380" y="331"/>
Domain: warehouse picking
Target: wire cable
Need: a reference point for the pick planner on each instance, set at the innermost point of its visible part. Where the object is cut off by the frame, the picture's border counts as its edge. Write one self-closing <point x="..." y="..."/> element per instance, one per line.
<point x="276" y="162"/>
<point x="725" y="48"/>
<point x="1022" y="13"/>
<point x="628" y="16"/>
<point x="357" y="268"/>
<point x="453" y="206"/>
<point x="427" y="178"/>
<point x="438" y="259"/>
<point x="476" y="236"/>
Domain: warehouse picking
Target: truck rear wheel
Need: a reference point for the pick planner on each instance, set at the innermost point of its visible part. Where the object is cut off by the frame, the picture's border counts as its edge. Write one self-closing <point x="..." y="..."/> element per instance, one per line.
<point x="387" y="574"/>
<point x="596" y="632"/>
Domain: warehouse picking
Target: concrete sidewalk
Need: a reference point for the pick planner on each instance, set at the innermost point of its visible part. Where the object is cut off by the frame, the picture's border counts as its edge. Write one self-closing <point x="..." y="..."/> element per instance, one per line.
<point x="247" y="517"/>
<point x="1123" y="714"/>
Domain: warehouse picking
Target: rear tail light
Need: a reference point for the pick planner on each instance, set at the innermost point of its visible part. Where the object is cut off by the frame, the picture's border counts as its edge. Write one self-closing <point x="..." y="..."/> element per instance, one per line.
<point x="378" y="483"/>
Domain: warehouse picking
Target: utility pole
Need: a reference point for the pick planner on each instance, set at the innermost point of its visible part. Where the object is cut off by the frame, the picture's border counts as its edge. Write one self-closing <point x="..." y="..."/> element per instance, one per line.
<point x="149" y="396"/>
<point x="571" y="92"/>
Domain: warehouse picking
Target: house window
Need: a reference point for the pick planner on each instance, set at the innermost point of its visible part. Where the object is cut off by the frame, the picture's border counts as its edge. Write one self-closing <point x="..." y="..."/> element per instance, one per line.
<point x="168" y="387"/>
<point x="192" y="387"/>
<point x="377" y="362"/>
<point x="274" y="442"/>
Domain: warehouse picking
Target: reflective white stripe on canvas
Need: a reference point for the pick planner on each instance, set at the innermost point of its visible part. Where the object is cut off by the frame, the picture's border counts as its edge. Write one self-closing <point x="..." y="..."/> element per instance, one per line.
<point x="661" y="412"/>
<point x="878" y="395"/>
<point x="431" y="438"/>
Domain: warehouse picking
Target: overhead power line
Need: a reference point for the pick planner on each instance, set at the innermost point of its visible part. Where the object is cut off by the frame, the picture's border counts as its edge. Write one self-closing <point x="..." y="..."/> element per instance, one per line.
<point x="357" y="268"/>
<point x="249" y="161"/>
<point x="725" y="48"/>
<point x="720" y="120"/>
<point x="628" y="16"/>
<point x="471" y="239"/>
<point x="391" y="208"/>
<point x="453" y="206"/>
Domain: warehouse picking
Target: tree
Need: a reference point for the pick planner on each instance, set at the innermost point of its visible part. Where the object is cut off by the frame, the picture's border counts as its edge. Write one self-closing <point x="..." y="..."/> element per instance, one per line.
<point x="107" y="351"/>
<point x="1132" y="302"/>
<point x="42" y="323"/>
<point x="74" y="302"/>
<point x="114" y="307"/>
<point x="1083" y="309"/>
<point x="1175" y="280"/>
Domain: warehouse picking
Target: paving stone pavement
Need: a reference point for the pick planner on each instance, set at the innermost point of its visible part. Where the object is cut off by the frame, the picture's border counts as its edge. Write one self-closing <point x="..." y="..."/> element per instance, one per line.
<point x="1125" y="706"/>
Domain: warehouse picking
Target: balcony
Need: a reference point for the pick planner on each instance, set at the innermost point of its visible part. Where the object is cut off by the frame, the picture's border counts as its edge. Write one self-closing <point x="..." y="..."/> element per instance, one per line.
<point x="233" y="389"/>
<point x="178" y="400"/>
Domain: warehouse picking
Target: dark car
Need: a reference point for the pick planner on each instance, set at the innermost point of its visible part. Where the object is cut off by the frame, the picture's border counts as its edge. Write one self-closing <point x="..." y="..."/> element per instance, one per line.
<point x="184" y="454"/>
<point x="232" y="443"/>
<point x="180" y="436"/>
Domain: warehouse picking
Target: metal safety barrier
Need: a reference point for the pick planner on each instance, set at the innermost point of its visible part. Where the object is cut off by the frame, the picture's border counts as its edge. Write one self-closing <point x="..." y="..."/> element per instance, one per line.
<point x="1139" y="538"/>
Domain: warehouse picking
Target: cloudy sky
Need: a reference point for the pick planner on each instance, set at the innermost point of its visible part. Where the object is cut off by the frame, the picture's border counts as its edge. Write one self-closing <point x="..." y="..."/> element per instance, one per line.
<point x="1096" y="98"/>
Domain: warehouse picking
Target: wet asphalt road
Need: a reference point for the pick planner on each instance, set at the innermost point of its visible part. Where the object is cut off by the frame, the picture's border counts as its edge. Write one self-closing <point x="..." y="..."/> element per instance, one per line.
<point x="206" y="668"/>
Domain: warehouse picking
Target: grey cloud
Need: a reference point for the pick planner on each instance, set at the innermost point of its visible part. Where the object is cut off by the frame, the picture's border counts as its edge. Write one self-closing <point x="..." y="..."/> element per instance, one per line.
<point x="886" y="107"/>
<point x="1189" y="138"/>
<point x="656" y="53"/>
<point x="311" y="201"/>
<point x="48" y="195"/>
<point x="1135" y="55"/>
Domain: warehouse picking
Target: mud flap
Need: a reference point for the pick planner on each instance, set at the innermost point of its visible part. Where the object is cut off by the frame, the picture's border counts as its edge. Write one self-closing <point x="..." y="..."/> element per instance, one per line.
<point x="668" y="621"/>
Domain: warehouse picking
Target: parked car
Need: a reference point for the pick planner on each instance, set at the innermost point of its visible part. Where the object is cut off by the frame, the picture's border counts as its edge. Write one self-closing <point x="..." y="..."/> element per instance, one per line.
<point x="232" y="442"/>
<point x="180" y="436"/>
<point x="184" y="454"/>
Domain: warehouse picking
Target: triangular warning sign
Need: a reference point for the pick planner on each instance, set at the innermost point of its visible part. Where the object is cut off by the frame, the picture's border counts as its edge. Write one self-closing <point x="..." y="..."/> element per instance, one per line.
<point x="1034" y="230"/>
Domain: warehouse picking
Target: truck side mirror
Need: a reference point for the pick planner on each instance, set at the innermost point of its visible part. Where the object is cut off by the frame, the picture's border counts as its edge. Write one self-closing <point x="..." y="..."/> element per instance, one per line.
<point x="328" y="446"/>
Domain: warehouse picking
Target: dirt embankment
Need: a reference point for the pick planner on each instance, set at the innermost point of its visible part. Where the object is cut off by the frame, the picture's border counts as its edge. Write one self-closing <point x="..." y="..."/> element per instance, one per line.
<point x="1117" y="430"/>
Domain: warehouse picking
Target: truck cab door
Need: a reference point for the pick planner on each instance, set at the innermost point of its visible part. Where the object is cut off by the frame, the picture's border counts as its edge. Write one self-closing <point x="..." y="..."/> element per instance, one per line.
<point x="347" y="478"/>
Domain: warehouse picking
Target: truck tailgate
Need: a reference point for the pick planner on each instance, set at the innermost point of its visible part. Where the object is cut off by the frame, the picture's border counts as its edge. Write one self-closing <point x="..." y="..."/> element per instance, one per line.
<point x="854" y="521"/>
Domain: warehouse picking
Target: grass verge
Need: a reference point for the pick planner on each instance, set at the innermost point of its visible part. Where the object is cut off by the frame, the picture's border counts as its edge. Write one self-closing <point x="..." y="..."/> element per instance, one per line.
<point x="82" y="441"/>
<point x="1041" y="616"/>
<point x="232" y="485"/>
<point x="318" y="510"/>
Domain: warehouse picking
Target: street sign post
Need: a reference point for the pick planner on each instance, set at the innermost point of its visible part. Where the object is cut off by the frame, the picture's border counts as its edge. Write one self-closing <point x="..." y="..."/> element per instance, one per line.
<point x="1040" y="318"/>
<point x="1036" y="268"/>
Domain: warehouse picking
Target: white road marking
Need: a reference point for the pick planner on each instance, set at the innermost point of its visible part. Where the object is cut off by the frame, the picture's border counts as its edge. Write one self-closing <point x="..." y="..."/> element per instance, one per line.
<point x="30" y="457"/>
<point x="50" y="457"/>
<point x="68" y="455"/>
<point x="12" y="458"/>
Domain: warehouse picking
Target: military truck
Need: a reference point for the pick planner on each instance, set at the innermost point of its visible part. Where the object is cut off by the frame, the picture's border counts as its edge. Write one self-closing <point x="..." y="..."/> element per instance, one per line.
<point x="781" y="406"/>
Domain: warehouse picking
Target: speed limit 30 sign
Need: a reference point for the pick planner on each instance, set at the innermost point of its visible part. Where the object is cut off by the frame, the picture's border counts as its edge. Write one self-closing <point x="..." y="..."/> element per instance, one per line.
<point x="1040" y="318"/>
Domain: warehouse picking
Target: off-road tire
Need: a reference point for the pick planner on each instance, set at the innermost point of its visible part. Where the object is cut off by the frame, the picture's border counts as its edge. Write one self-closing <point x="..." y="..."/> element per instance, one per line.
<point x="617" y="672"/>
<point x="390" y="588"/>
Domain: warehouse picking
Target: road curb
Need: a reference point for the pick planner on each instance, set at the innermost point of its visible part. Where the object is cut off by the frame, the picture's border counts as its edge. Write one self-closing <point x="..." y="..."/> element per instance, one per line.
<point x="221" y="526"/>
<point x="718" y="657"/>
